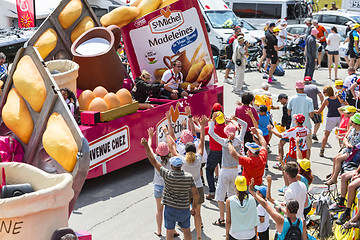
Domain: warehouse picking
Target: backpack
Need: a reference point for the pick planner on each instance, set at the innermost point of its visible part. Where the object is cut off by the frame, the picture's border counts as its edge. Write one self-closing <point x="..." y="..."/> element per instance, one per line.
<point x="294" y="232"/>
<point x="229" y="51"/>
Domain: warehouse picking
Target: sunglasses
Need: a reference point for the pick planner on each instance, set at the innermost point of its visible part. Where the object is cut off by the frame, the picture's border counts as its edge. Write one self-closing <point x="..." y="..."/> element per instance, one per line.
<point x="179" y="66"/>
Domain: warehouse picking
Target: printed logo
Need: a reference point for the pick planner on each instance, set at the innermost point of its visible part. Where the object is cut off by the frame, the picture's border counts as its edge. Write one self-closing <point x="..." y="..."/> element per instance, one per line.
<point x="151" y="57"/>
<point x="140" y="22"/>
<point x="167" y="21"/>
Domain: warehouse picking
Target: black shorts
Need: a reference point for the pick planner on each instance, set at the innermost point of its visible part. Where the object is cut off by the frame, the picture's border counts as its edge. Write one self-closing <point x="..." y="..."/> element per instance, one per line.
<point x="316" y="118"/>
<point x="168" y="94"/>
<point x="322" y="46"/>
<point x="333" y="52"/>
<point x="352" y="53"/>
<point x="273" y="57"/>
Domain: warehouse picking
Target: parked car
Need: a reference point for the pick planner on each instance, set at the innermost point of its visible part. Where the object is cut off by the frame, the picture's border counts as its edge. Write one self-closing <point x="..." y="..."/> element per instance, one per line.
<point x="300" y="29"/>
<point x="338" y="18"/>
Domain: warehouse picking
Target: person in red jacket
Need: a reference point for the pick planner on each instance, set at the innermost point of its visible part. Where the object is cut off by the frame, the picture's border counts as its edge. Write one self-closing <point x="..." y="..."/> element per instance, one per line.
<point x="254" y="164"/>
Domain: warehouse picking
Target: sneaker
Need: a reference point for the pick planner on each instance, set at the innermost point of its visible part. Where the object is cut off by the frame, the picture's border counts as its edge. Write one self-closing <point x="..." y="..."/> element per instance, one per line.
<point x="227" y="80"/>
<point x="210" y="196"/>
<point x="265" y="76"/>
<point x="283" y="189"/>
<point x="266" y="167"/>
<point x="321" y="154"/>
<point x="270" y="81"/>
<point x="216" y="179"/>
<point x="278" y="166"/>
<point x="314" y="137"/>
<point x="268" y="149"/>
<point x="274" y="79"/>
<point x="337" y="208"/>
<point x="343" y="218"/>
<point x="241" y="92"/>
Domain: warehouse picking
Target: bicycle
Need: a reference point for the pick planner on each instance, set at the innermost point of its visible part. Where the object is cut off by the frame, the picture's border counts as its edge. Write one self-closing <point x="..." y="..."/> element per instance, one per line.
<point x="305" y="8"/>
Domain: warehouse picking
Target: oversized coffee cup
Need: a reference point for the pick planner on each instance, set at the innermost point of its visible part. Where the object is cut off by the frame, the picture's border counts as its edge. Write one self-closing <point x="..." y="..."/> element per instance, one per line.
<point x="181" y="56"/>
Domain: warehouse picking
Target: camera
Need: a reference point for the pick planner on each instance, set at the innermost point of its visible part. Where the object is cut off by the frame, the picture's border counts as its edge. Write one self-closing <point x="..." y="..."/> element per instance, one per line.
<point x="238" y="62"/>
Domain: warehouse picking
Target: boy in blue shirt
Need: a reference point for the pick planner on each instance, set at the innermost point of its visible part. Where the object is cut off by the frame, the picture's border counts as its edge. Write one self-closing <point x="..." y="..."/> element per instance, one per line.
<point x="264" y="121"/>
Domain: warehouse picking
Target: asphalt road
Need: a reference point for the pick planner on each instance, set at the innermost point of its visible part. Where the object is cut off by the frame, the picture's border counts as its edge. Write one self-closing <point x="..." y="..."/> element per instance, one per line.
<point x="121" y="204"/>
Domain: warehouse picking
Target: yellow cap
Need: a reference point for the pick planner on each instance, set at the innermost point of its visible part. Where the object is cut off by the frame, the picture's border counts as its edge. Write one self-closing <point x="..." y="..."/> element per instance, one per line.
<point x="349" y="109"/>
<point x="304" y="164"/>
<point x="356" y="25"/>
<point x="276" y="29"/>
<point x="220" y="118"/>
<point x="240" y="182"/>
<point x="339" y="83"/>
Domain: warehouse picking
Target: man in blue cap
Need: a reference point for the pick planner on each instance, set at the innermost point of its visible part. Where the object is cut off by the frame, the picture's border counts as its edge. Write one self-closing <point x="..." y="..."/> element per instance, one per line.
<point x="176" y="193"/>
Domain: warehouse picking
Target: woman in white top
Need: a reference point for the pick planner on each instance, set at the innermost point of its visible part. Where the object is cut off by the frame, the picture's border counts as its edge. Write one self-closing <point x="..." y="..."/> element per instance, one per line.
<point x="333" y="47"/>
<point x="192" y="165"/>
<point x="162" y="156"/>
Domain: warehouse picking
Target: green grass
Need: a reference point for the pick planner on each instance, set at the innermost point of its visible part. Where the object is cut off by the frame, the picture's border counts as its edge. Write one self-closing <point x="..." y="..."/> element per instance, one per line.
<point x="321" y="3"/>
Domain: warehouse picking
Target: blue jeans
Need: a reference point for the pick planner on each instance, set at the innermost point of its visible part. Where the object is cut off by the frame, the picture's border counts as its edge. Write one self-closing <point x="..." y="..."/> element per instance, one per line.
<point x="214" y="158"/>
<point x="174" y="215"/>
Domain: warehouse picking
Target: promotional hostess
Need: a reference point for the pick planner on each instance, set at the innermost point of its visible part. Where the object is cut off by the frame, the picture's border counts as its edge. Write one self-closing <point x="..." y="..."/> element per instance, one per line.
<point x="175" y="32"/>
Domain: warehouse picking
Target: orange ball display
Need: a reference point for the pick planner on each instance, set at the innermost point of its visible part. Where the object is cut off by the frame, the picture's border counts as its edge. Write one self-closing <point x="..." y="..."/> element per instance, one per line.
<point x="85" y="99"/>
<point x="100" y="91"/>
<point x="98" y="104"/>
<point x="125" y="96"/>
<point x="112" y="100"/>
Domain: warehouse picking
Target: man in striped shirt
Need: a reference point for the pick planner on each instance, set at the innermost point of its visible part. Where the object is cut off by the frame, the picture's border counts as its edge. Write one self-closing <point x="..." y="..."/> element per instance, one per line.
<point x="176" y="194"/>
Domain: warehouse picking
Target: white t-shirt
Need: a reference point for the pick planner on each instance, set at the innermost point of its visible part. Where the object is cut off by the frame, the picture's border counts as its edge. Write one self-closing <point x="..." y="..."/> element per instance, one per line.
<point x="282" y="41"/>
<point x="175" y="79"/>
<point x="262" y="227"/>
<point x="349" y="80"/>
<point x="158" y="180"/>
<point x="297" y="190"/>
<point x="334" y="39"/>
<point x="194" y="169"/>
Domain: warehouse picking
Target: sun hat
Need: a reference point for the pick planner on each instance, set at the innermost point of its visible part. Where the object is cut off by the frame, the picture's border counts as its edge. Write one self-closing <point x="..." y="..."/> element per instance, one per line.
<point x="220" y="118"/>
<point x="240" y="183"/>
<point x="307" y="79"/>
<point x="176" y="161"/>
<point x="299" y="118"/>
<point x="299" y="84"/>
<point x="186" y="136"/>
<point x="230" y="128"/>
<point x="281" y="96"/>
<point x="261" y="189"/>
<point x="276" y="29"/>
<point x="349" y="23"/>
<point x="314" y="31"/>
<point x="190" y="147"/>
<point x="356" y="118"/>
<point x="349" y="109"/>
<point x="253" y="147"/>
<point x="339" y="83"/>
<point x="304" y="164"/>
<point x="217" y="107"/>
<point x="162" y="149"/>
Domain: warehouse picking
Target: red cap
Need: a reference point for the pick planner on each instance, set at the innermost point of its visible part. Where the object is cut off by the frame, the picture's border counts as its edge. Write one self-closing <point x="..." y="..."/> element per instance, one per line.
<point x="307" y="79"/>
<point x="299" y="118"/>
<point x="217" y="107"/>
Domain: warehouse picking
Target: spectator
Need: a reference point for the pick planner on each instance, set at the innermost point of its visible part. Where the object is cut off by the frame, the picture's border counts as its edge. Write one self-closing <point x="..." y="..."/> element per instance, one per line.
<point x="175" y="78"/>
<point x="264" y="121"/>
<point x="70" y="100"/>
<point x="263" y="43"/>
<point x="307" y="22"/>
<point x="339" y="91"/>
<point x="214" y="157"/>
<point x="321" y="36"/>
<point x="333" y="47"/>
<point x="229" y="165"/>
<point x="230" y="64"/>
<point x="352" y="138"/>
<point x="348" y="82"/>
<point x="296" y="189"/>
<point x="311" y="53"/>
<point x="344" y="126"/>
<point x="176" y="194"/>
<point x="239" y="58"/>
<point x="264" y="217"/>
<point x="282" y="223"/>
<point x="283" y="36"/>
<point x="240" y="112"/>
<point x="268" y="35"/>
<point x="143" y="88"/>
<point x="254" y="164"/>
<point x="355" y="221"/>
<point x="348" y="28"/>
<point x="353" y="46"/>
<point x="333" y="6"/>
<point x="302" y="104"/>
<point x="347" y="188"/>
<point x="242" y="218"/>
<point x="325" y="8"/>
<point x="333" y="117"/>
<point x="313" y="92"/>
<point x="272" y="48"/>
<point x="3" y="67"/>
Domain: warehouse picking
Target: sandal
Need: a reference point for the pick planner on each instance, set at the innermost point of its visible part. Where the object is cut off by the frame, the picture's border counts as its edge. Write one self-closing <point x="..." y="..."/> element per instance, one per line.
<point x="158" y="234"/>
<point x="351" y="224"/>
<point x="220" y="223"/>
<point x="331" y="182"/>
<point x="176" y="234"/>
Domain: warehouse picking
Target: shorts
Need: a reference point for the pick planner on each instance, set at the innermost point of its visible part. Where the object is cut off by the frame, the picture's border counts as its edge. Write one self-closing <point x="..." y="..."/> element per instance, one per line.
<point x="264" y="235"/>
<point x="346" y="150"/>
<point x="273" y="57"/>
<point x="158" y="191"/>
<point x="285" y="140"/>
<point x="353" y="54"/>
<point x="267" y="139"/>
<point x="201" y="196"/>
<point x="331" y="123"/>
<point x="225" y="185"/>
<point x="175" y="215"/>
<point x="316" y="118"/>
<point x="230" y="65"/>
<point x="333" y="52"/>
<point x="322" y="46"/>
<point x="291" y="159"/>
<point x="168" y="94"/>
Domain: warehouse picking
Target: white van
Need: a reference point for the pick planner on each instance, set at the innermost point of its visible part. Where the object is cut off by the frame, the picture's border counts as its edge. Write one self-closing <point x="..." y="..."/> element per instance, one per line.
<point x="260" y="11"/>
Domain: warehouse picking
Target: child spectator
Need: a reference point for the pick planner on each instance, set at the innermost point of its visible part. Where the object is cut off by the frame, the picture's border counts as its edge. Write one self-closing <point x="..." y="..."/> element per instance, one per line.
<point x="264" y="121"/>
<point x="346" y="112"/>
<point x="339" y="90"/>
<point x="263" y="227"/>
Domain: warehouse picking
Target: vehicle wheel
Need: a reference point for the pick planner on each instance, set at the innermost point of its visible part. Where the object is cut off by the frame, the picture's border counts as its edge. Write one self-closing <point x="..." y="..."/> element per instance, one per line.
<point x="315" y="7"/>
<point x="300" y="10"/>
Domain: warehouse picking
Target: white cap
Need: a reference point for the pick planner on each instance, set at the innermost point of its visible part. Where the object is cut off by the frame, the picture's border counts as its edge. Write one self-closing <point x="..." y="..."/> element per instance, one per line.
<point x="283" y="22"/>
<point x="314" y="21"/>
